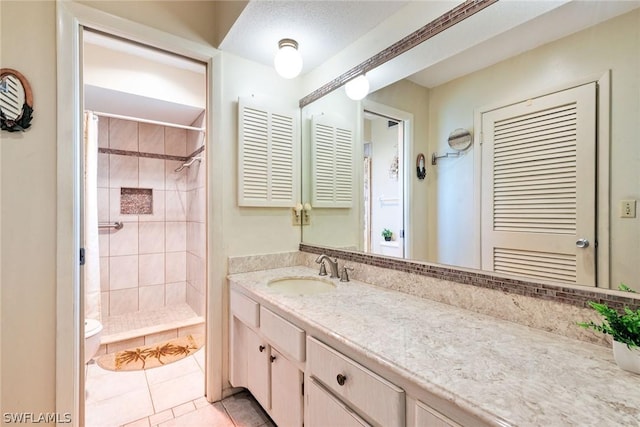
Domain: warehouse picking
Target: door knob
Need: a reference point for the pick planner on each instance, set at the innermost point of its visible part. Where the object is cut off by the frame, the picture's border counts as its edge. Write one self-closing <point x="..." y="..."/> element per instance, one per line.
<point x="582" y="243"/>
<point x="261" y="348"/>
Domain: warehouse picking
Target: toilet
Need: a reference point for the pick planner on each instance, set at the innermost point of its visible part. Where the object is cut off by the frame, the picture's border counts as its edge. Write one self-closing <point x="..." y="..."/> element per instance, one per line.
<point x="92" y="334"/>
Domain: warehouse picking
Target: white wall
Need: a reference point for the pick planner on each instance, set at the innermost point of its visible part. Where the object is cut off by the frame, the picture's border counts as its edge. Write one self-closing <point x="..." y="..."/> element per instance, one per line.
<point x="119" y="71"/>
<point x="252" y="230"/>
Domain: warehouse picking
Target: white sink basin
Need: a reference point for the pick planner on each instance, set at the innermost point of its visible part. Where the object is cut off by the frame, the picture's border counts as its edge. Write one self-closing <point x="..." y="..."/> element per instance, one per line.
<point x="301" y="285"/>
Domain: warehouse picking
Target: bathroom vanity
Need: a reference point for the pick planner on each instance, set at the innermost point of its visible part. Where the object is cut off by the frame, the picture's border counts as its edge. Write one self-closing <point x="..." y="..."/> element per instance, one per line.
<point x="355" y="354"/>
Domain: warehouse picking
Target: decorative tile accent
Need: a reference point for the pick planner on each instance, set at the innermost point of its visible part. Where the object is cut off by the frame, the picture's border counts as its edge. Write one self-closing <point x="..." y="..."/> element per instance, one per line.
<point x="557" y="293"/>
<point x="447" y="20"/>
<point x="136" y="201"/>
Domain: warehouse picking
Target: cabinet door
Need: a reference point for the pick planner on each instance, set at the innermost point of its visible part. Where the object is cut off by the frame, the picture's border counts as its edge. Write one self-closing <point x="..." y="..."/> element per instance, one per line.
<point x="238" y="356"/>
<point x="324" y="409"/>
<point x="258" y="368"/>
<point x="286" y="391"/>
<point x="429" y="417"/>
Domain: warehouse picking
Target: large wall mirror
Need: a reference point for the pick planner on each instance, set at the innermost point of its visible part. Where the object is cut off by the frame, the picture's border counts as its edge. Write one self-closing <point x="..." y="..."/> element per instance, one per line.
<point x="547" y="189"/>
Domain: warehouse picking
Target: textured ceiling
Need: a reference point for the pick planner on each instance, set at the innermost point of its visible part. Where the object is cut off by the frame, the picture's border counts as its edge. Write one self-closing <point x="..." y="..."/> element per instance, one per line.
<point x="321" y="28"/>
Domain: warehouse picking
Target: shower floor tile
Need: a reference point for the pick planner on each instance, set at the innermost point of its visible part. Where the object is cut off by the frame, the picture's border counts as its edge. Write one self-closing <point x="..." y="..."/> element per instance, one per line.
<point x="174" y="397"/>
<point x="140" y="323"/>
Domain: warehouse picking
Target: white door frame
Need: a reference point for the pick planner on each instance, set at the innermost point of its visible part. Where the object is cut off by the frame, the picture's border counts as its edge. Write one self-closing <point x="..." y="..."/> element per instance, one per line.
<point x="603" y="176"/>
<point x="71" y="18"/>
<point x="408" y="154"/>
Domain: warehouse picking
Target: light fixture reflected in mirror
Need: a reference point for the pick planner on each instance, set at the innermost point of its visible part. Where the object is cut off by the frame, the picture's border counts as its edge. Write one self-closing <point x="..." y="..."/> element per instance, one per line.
<point x="288" y="62"/>
<point x="357" y="88"/>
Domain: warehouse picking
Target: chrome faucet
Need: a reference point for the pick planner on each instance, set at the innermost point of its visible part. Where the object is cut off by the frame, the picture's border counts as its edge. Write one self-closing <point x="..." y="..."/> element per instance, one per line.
<point x="333" y="264"/>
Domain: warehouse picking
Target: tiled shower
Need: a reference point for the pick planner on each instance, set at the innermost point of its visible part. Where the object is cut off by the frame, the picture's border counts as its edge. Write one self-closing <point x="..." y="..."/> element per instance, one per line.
<point x="153" y="268"/>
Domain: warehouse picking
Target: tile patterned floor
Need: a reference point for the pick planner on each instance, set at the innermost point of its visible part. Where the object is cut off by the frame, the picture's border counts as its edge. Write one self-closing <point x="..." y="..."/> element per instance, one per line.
<point x="168" y="396"/>
<point x="146" y="319"/>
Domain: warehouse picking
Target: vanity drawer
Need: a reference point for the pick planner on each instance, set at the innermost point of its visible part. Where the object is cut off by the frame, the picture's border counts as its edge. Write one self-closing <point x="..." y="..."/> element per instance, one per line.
<point x="284" y="335"/>
<point x="364" y="390"/>
<point x="245" y="309"/>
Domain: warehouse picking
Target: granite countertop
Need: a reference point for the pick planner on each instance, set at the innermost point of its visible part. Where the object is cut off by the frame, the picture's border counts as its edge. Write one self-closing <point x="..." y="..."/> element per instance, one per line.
<point x="501" y="372"/>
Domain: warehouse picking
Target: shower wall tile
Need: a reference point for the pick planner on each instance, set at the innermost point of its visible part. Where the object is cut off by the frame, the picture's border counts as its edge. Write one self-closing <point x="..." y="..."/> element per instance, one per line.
<point x="175" y="141"/>
<point x="176" y="267"/>
<point x="151" y="270"/>
<point x="104" y="302"/>
<point x="123" y="171"/>
<point x="123" y="134"/>
<point x="104" y="273"/>
<point x="195" y="300"/>
<point x="175" y="205"/>
<point x="144" y="265"/>
<point x="151" y="297"/>
<point x="150" y="138"/>
<point x="103" y="204"/>
<point x="176" y="180"/>
<point x="123" y="301"/>
<point x="103" y="242"/>
<point x="125" y="240"/>
<point x="103" y="132"/>
<point x="114" y="208"/>
<point x="175" y="293"/>
<point x="151" y="237"/>
<point x="103" y="170"/>
<point x="176" y="233"/>
<point x="123" y="272"/>
<point x="151" y="173"/>
<point x="158" y="208"/>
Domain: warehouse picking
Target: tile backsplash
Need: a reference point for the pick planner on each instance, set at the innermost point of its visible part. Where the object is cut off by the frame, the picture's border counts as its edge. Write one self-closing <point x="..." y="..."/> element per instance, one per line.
<point x="555" y="309"/>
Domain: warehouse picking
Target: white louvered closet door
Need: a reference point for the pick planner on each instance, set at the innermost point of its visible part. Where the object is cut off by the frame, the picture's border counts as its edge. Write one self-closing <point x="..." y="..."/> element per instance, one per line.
<point x="539" y="187"/>
<point x="332" y="163"/>
<point x="267" y="154"/>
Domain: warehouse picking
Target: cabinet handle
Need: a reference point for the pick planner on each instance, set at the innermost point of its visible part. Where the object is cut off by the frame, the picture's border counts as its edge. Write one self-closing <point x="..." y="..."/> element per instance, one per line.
<point x="261" y="348"/>
<point x="272" y="358"/>
<point x="341" y="379"/>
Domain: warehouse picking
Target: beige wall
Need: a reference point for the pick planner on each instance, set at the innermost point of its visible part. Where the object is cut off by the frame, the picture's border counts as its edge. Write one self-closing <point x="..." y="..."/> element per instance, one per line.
<point x="28" y="215"/>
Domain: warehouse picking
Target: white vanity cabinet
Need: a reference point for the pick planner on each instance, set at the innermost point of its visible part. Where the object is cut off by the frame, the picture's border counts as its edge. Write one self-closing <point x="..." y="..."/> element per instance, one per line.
<point x="343" y="391"/>
<point x="264" y="348"/>
<point x="429" y="417"/>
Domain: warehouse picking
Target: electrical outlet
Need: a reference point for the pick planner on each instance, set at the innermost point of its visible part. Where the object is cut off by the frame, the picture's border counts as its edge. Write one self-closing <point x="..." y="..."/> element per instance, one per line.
<point x="628" y="209"/>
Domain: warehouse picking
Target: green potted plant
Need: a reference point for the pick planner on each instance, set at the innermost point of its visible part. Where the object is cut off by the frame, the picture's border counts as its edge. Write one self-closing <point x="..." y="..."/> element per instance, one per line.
<point x="624" y="327"/>
<point x="386" y="233"/>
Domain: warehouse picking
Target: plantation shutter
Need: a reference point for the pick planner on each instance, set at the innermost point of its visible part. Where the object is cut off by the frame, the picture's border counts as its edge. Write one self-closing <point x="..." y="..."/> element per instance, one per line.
<point x="267" y="154"/>
<point x="332" y="161"/>
<point x="538" y="187"/>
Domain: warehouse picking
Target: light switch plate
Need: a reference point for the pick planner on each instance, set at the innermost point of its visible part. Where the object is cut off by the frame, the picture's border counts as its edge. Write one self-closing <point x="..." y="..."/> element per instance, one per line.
<point x="627" y="209"/>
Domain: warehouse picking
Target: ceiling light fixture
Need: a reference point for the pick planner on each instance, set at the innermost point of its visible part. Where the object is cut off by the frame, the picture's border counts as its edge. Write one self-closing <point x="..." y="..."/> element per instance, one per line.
<point x="357" y="88"/>
<point x="288" y="62"/>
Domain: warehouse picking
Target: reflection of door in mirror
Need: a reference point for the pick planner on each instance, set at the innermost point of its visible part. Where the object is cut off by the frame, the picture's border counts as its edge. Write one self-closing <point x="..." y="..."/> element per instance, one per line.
<point x="538" y="187"/>
<point x="383" y="184"/>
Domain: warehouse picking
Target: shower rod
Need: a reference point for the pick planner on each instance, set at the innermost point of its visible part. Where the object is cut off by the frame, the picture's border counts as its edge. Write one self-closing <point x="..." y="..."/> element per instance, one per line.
<point x="153" y="122"/>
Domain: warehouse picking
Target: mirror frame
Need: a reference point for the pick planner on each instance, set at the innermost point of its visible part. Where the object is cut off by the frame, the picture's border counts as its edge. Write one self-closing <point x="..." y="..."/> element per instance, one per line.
<point x="23" y="121"/>
<point x="570" y="294"/>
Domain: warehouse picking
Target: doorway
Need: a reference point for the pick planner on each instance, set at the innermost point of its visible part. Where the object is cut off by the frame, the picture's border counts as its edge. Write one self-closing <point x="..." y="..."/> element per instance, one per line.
<point x="383" y="191"/>
<point x="145" y="268"/>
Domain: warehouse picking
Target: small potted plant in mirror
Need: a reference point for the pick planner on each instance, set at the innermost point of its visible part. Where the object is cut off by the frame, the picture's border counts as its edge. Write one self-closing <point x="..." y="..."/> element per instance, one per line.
<point x="386" y="233"/>
<point x="624" y="328"/>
